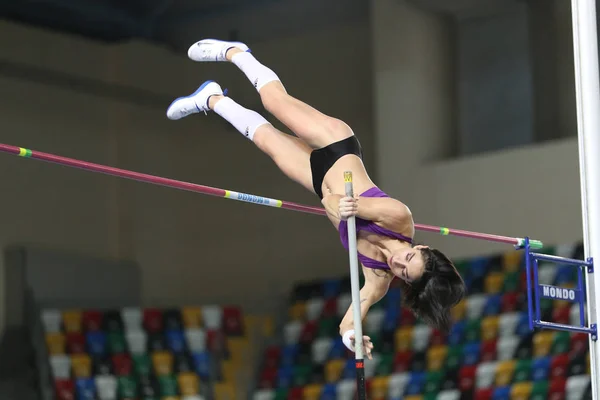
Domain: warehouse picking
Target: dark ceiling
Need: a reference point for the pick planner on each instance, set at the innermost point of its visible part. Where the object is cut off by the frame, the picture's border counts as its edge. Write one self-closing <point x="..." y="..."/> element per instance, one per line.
<point x="173" y="23"/>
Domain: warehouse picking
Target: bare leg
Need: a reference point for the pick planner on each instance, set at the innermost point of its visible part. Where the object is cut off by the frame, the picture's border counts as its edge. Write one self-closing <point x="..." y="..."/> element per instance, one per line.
<point x="312" y="126"/>
<point x="290" y="154"/>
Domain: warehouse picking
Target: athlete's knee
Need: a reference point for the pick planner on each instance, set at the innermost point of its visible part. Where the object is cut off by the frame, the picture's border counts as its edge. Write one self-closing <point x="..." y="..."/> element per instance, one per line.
<point x="337" y="128"/>
<point x="272" y="98"/>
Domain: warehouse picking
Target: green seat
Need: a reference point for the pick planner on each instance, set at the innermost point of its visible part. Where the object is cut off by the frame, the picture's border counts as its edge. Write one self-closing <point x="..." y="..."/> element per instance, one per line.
<point x="386" y="365"/>
<point x="281" y="394"/>
<point x="168" y="385"/>
<point x="116" y="343"/>
<point x="539" y="391"/>
<point x="546" y="306"/>
<point x="561" y="343"/>
<point x="453" y="358"/>
<point x="328" y="327"/>
<point x="473" y="330"/>
<point x="433" y="382"/>
<point x="142" y="365"/>
<point x="127" y="387"/>
<point x="301" y="375"/>
<point x="511" y="281"/>
<point x="430" y="396"/>
<point x="522" y="371"/>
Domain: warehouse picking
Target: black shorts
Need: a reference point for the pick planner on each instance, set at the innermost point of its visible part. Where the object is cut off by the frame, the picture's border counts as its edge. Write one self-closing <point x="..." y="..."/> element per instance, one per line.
<point x="321" y="160"/>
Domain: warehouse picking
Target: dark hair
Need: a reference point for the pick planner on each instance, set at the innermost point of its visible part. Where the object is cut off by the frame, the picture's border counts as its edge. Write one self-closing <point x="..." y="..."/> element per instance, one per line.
<point x="432" y="296"/>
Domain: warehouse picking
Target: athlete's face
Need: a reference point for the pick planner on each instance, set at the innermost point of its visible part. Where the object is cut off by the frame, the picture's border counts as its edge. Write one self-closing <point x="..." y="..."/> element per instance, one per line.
<point x="408" y="264"/>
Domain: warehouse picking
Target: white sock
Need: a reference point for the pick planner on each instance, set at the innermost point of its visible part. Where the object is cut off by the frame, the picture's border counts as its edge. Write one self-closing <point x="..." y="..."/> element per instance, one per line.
<point x="244" y="120"/>
<point x="258" y="74"/>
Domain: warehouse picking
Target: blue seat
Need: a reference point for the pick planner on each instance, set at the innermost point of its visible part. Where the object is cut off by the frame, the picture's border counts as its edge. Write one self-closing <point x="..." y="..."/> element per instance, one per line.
<point x="390" y="319"/>
<point x="501" y="393"/>
<point x="457" y="333"/>
<point x="393" y="297"/>
<point x="471" y="353"/>
<point x="96" y="343"/>
<point x="349" y="371"/>
<point x="331" y="288"/>
<point x="289" y="354"/>
<point x="493" y="305"/>
<point x="85" y="389"/>
<point x="478" y="267"/>
<point x="285" y="375"/>
<point x="540" y="368"/>
<point x="338" y="350"/>
<point x="522" y="328"/>
<point x="565" y="274"/>
<point x="415" y="384"/>
<point x="329" y="392"/>
<point x="176" y="341"/>
<point x="202" y="364"/>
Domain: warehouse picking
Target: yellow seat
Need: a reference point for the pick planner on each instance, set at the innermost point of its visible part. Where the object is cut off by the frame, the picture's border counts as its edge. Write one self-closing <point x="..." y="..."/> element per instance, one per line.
<point x="224" y="391"/>
<point x="521" y="391"/>
<point x="229" y="368"/>
<point x="72" y="321"/>
<point x="297" y="311"/>
<point x="170" y="398"/>
<point x="436" y="357"/>
<point x="333" y="370"/>
<point x="403" y="338"/>
<point x="189" y="384"/>
<point x="312" y="392"/>
<point x="542" y="343"/>
<point x="55" y="342"/>
<point x="379" y="388"/>
<point x="494" y="282"/>
<point x="504" y="372"/>
<point x="489" y="327"/>
<point x="192" y="317"/>
<point x="459" y="311"/>
<point x="81" y="364"/>
<point x="162" y="361"/>
<point x="511" y="261"/>
<point x="413" y="397"/>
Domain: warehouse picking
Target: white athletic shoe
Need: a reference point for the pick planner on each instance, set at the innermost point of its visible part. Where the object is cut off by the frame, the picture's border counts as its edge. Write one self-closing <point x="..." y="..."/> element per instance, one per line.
<point x="195" y="102"/>
<point x="213" y="49"/>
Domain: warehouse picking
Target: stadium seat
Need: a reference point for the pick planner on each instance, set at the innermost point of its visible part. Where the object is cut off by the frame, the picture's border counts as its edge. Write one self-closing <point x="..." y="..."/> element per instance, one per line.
<point x="522" y="371"/>
<point x="331" y="288"/>
<point x="271" y="357"/>
<point x="507" y="323"/>
<point x="312" y="392"/>
<point x="115" y="342"/>
<point x="488" y="350"/>
<point x="489" y="328"/>
<point x="101" y="365"/>
<point x="539" y="391"/>
<point x="212" y="316"/>
<point x="106" y="387"/>
<point x="142" y="365"/>
<point x="373" y="322"/>
<point x="148" y="387"/>
<point x="459" y="311"/>
<point x="162" y="362"/>
<point x="403" y="338"/>
<point x="437" y="338"/>
<point x="419" y="362"/>
<point x="472" y="330"/>
<point x="504" y="372"/>
<point x="112" y="321"/>
<point x="449" y="395"/>
<point x="577" y="366"/>
<point x="494" y="282"/>
<point x="191" y="317"/>
<point x="202" y="364"/>
<point x="327" y="328"/>
<point x="176" y="341"/>
<point x="509" y="303"/>
<point x="152" y="320"/>
<point x="292" y="331"/>
<point x="542" y="343"/>
<point x="420" y="337"/>
<point x="485" y="375"/>
<point x="506" y="347"/>
<point x="512" y="280"/>
<point x="471" y="353"/>
<point x="296" y="312"/>
<point x="562" y="314"/>
<point x="343" y="303"/>
<point x="450" y="379"/>
<point x="547" y="273"/>
<point x="454" y="357"/>
<point x="483" y="394"/>
<point x="132" y="318"/>
<point x="436" y="357"/>
<point x="433" y="382"/>
<point x="574" y="315"/>
<point x="346" y="389"/>
<point x="557" y="388"/>
<point x="56" y="343"/>
<point x="338" y="348"/>
<point x="333" y="370"/>
<point x="122" y="364"/>
<point x="475" y="304"/>
<point x="71" y="321"/>
<point x="268" y="378"/>
<point x="75" y="343"/>
<point x="91" y="320"/>
<point x="576" y="386"/>
<point x="52" y="321"/>
<point x="137" y="341"/>
<point x="416" y="384"/>
<point x="561" y="343"/>
<point x="167" y="385"/>
<point x="81" y="365"/>
<point x="188" y="383"/>
<point x="195" y="339"/>
<point x="385" y="364"/>
<point x="558" y="366"/>
<point x="264" y="394"/>
<point x="579" y="344"/>
<point x="397" y="384"/>
<point x="493" y="305"/>
<point x="96" y="342"/>
<point x="525" y="347"/>
<point x="156" y="342"/>
<point x="466" y="378"/>
<point x="522" y="328"/>
<point x="457" y="333"/>
<point x="64" y="389"/>
<point x="501" y="393"/>
<point x="85" y="389"/>
<point x="314" y="307"/>
<point x="512" y="260"/>
<point x="182" y="362"/>
<point x="403" y="361"/>
<point x="379" y="387"/>
<point x="540" y="368"/>
<point x="329" y="308"/>
<point x="60" y="365"/>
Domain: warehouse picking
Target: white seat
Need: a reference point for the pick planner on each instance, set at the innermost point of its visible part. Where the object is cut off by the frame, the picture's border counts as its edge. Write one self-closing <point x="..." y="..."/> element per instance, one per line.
<point x="132" y="318"/>
<point x="314" y="307"/>
<point x="374" y="321"/>
<point x="475" y="304"/>
<point x="507" y="323"/>
<point x="193" y="397"/>
<point x="292" y="331"/>
<point x="346" y="389"/>
<point x="565" y="250"/>
<point x="106" y="387"/>
<point x="449" y="395"/>
<point x="320" y="350"/>
<point x="196" y="339"/>
<point x="264" y="394"/>
<point x="547" y="273"/>
<point x="397" y="384"/>
<point x="212" y="315"/>
<point x="576" y="386"/>
<point x="52" y="320"/>
<point x="506" y="346"/>
<point x="574" y="315"/>
<point x="420" y="337"/>
<point x="60" y="366"/>
<point x="485" y="375"/>
<point x="344" y="301"/>
<point x="371" y="365"/>
<point x="137" y="341"/>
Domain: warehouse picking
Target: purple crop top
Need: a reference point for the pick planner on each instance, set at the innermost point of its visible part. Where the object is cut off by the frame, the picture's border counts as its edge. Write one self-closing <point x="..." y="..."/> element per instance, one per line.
<point x="370" y="226"/>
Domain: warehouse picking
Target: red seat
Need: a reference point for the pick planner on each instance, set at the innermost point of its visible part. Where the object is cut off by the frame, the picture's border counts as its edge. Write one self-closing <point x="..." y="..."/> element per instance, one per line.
<point x="562" y="315"/>
<point x="510" y="302"/>
<point x="215" y="341"/>
<point x="484" y="394"/>
<point x="91" y="320"/>
<point x="406" y="318"/>
<point x="556" y="391"/>
<point x="579" y="345"/>
<point x="466" y="378"/>
<point x="402" y="361"/>
<point x="558" y="366"/>
<point x="488" y="350"/>
<point x="437" y="338"/>
<point x="329" y="308"/>
<point x="272" y="355"/>
<point x="268" y="378"/>
<point x="296" y="393"/>
<point x="122" y="364"/>
<point x="308" y="332"/>
<point x="75" y="343"/>
<point x="153" y="320"/>
<point x="64" y="389"/>
<point x="232" y="321"/>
